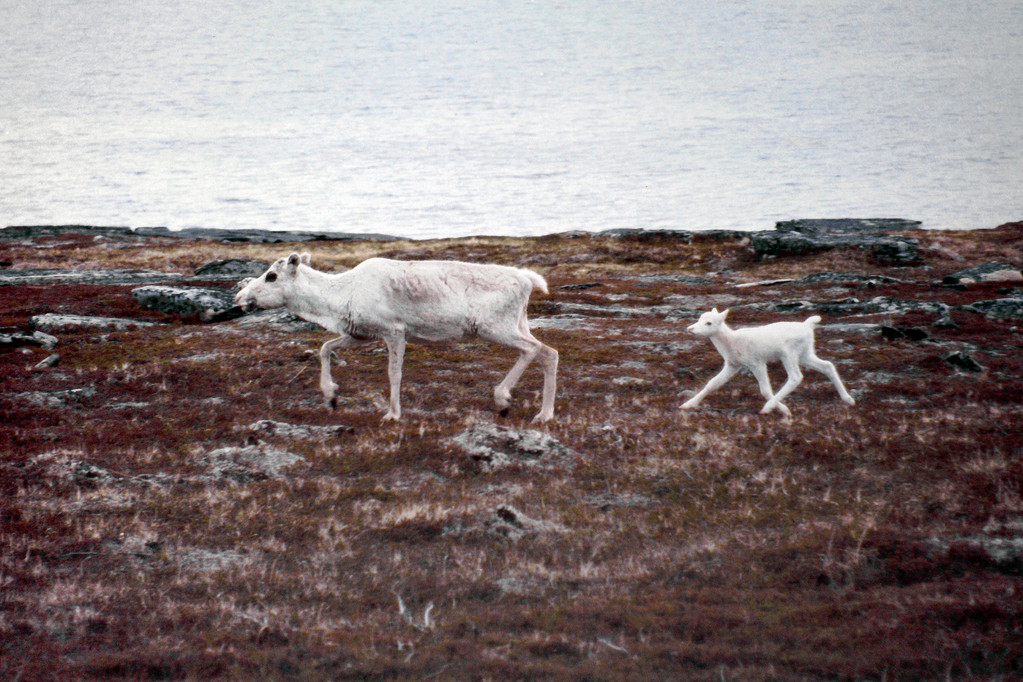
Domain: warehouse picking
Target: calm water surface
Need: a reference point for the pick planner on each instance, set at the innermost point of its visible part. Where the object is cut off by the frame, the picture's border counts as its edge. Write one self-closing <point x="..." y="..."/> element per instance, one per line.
<point x="439" y="119"/>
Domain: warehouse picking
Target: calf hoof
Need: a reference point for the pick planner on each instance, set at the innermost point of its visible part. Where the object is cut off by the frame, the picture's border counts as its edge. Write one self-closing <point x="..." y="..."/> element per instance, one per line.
<point x="332" y="403"/>
<point x="504" y="411"/>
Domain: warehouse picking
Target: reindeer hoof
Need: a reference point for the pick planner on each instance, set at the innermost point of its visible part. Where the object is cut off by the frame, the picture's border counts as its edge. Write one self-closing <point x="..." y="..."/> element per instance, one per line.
<point x="504" y="411"/>
<point x="332" y="403"/>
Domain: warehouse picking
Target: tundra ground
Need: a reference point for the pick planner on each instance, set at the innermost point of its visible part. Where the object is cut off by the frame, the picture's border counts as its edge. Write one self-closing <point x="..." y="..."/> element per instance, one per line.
<point x="177" y="503"/>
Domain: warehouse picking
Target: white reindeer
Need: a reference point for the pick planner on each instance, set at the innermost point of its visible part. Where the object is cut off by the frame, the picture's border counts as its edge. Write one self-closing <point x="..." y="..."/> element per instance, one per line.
<point x="399" y="301"/>
<point x="753" y="347"/>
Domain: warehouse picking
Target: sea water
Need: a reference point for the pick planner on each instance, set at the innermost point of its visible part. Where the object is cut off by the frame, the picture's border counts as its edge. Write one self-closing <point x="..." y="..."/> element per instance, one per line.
<point x="516" y="117"/>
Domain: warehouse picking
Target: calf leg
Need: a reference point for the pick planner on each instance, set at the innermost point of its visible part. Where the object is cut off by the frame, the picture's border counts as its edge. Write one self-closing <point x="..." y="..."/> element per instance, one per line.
<point x="795" y="377"/>
<point x="726" y="373"/>
<point x="327" y="385"/>
<point x="395" y="357"/>
<point x="828" y="369"/>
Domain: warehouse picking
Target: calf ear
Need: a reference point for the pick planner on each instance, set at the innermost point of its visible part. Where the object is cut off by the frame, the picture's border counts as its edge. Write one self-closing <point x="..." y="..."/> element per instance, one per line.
<point x="724" y="314"/>
<point x="293" y="261"/>
<point x="305" y="258"/>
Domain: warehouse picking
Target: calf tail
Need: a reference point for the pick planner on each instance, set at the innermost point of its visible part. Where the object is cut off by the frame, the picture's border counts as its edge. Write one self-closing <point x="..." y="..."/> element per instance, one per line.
<point x="813" y="320"/>
<point x="536" y="280"/>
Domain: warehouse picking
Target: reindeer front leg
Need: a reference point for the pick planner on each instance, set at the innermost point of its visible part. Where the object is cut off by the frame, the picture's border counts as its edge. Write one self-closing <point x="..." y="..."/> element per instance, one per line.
<point x="327" y="385"/>
<point x="395" y="357"/>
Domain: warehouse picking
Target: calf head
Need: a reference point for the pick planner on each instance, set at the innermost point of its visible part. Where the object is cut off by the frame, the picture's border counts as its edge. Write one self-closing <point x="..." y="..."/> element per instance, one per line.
<point x="709" y="323"/>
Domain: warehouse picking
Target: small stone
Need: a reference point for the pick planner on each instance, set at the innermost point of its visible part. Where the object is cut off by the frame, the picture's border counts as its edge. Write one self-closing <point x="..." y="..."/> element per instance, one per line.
<point x="51" y="361"/>
<point x="961" y="360"/>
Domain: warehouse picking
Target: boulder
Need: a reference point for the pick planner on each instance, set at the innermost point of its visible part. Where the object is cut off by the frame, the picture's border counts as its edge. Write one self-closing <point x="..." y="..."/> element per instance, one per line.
<point x="988" y="272"/>
<point x="1002" y="308"/>
<point x="233" y="267"/>
<point x="961" y="360"/>
<point x="211" y="305"/>
<point x="496" y="447"/>
<point x="17" y="339"/>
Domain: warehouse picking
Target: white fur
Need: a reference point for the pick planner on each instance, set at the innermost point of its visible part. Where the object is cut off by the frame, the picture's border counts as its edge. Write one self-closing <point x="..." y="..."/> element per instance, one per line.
<point x="753" y="347"/>
<point x="399" y="301"/>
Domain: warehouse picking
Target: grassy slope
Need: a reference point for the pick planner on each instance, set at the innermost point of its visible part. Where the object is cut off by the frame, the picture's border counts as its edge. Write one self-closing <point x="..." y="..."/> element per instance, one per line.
<point x="850" y="543"/>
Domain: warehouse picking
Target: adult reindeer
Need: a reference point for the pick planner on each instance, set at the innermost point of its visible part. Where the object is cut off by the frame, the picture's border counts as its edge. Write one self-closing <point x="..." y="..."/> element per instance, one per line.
<point x="419" y="301"/>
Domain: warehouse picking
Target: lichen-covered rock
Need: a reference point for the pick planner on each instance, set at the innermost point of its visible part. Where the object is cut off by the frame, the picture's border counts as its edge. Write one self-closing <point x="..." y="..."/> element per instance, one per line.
<point x="495" y="447"/>
<point x="251" y="463"/>
<point x="1000" y="307"/>
<point x="270" y="427"/>
<point x="211" y="305"/>
<point x="988" y="272"/>
<point x="55" y="321"/>
<point x="233" y="267"/>
<point x="802" y="237"/>
<point x="17" y="339"/>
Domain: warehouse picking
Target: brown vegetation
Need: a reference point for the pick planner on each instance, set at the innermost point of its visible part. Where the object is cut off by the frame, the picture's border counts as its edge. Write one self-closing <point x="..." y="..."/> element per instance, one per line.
<point x="153" y="525"/>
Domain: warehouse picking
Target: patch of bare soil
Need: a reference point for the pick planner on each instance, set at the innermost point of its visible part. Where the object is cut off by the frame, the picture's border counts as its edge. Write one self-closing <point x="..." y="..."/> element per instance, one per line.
<point x="177" y="503"/>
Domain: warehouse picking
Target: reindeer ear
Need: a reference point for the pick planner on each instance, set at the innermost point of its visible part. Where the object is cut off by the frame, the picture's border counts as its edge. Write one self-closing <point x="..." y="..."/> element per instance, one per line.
<point x="724" y="314"/>
<point x="293" y="261"/>
<point x="305" y="258"/>
<point x="715" y="311"/>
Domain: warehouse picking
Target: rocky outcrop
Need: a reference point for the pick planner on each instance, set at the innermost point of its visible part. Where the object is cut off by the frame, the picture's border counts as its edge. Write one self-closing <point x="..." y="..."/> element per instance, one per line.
<point x="45" y="276"/>
<point x="1002" y="308"/>
<point x="211" y="305"/>
<point x="988" y="272"/>
<point x="801" y="237"/>
<point x="210" y="234"/>
<point x="259" y="236"/>
<point x="60" y="321"/>
<point x="232" y="268"/>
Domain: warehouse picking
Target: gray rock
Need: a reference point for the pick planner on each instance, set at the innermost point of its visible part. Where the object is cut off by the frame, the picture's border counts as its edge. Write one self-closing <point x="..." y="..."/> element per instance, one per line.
<point x="35" y="231"/>
<point x="280" y="319"/>
<point x="18" y="339"/>
<point x="988" y="272"/>
<point x="47" y="276"/>
<point x="999" y="308"/>
<point x="47" y="363"/>
<point x="961" y="360"/>
<point x="802" y="237"/>
<point x="56" y="399"/>
<point x="846" y="226"/>
<point x="211" y="305"/>
<point x="57" y="321"/>
<point x="259" y="236"/>
<point x="249" y="463"/>
<point x="297" y="431"/>
<point x="232" y="267"/>
<point x="496" y="447"/>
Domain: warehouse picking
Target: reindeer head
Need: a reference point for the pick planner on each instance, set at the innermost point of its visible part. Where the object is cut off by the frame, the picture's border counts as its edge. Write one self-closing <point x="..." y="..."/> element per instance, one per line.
<point x="271" y="289"/>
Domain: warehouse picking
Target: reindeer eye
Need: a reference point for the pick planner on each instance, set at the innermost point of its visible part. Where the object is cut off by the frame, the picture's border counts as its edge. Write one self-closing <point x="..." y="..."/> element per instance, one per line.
<point x="271" y="277"/>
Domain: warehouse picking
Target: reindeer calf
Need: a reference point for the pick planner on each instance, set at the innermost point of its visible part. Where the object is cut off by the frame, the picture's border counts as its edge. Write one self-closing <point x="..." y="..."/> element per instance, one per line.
<point x="753" y="347"/>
